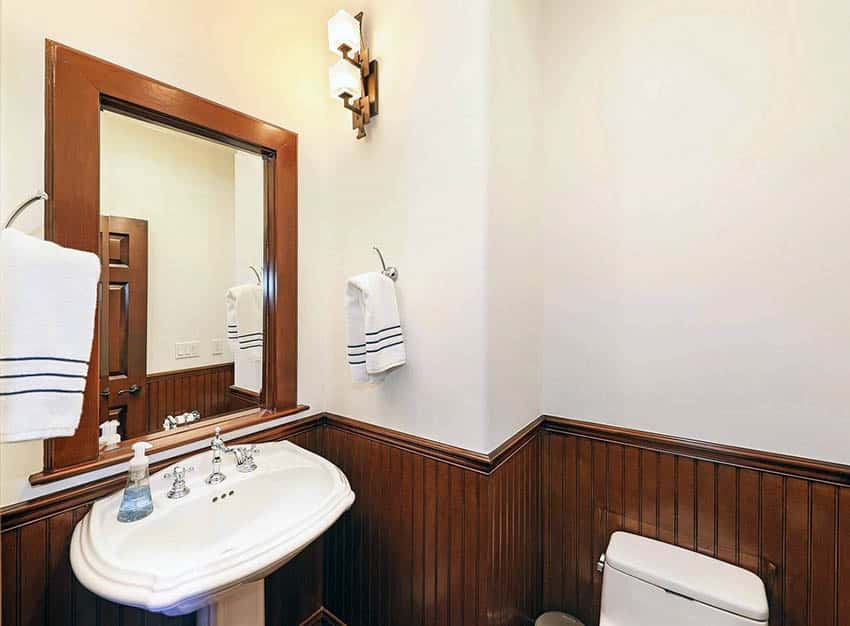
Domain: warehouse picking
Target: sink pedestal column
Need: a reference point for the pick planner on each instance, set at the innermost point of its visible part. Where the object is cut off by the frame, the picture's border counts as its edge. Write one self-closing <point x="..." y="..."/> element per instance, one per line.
<point x="244" y="606"/>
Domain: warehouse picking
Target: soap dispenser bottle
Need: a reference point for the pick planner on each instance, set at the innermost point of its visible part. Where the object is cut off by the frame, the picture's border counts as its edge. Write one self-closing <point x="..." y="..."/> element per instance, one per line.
<point x="137" y="502"/>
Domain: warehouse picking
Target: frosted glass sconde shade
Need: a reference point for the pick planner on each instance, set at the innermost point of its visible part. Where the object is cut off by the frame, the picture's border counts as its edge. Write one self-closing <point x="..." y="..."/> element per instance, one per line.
<point x="345" y="78"/>
<point x="343" y="30"/>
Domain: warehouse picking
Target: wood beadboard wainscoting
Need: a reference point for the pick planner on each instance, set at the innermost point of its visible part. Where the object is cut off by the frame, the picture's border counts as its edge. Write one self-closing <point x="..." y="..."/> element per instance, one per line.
<point x="440" y="536"/>
<point x="437" y="536"/>
<point x="784" y="518"/>
<point x="205" y="389"/>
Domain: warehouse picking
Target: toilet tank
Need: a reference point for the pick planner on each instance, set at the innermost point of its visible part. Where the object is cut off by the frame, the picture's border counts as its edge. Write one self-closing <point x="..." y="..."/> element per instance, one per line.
<point x="650" y="583"/>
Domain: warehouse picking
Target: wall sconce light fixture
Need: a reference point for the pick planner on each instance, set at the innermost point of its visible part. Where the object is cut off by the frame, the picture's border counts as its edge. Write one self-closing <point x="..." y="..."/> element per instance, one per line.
<point x="354" y="78"/>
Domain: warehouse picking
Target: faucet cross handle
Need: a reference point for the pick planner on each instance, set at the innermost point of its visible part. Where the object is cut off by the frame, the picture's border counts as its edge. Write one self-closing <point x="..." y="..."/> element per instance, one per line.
<point x="179" y="488"/>
<point x="245" y="458"/>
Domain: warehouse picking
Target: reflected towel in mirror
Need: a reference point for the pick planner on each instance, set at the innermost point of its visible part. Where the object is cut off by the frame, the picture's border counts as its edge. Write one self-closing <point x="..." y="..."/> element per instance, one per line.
<point x="244" y="305"/>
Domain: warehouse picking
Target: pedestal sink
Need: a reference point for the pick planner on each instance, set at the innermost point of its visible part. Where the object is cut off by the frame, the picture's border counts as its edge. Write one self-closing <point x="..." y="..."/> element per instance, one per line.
<point x="194" y="549"/>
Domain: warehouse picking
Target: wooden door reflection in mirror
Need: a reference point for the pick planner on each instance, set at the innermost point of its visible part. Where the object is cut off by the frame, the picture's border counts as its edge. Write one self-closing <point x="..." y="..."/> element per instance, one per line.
<point x="193" y="209"/>
<point x="123" y="323"/>
<point x="182" y="221"/>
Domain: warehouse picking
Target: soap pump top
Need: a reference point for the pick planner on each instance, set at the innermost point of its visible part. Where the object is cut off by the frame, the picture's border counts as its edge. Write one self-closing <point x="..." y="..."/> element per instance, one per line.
<point x="138" y="468"/>
<point x="109" y="437"/>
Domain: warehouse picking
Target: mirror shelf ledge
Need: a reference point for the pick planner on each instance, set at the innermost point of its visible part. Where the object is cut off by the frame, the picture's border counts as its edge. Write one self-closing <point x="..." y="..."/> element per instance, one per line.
<point x="168" y="440"/>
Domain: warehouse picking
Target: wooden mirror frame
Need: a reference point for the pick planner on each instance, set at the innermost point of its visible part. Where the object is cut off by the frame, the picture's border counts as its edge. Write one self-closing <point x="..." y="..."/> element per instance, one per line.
<point x="76" y="87"/>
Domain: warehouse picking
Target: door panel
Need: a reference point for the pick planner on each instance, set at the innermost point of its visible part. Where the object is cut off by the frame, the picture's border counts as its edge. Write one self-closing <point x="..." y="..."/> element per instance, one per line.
<point x="123" y="368"/>
<point x="118" y="306"/>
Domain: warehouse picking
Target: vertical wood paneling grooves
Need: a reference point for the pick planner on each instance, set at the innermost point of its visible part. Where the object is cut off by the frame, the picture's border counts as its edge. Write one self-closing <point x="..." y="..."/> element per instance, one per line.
<point x="667" y="497"/>
<point x="705" y="497"/>
<point x="842" y="582"/>
<point x="59" y="583"/>
<point x="9" y="563"/>
<point x="436" y="544"/>
<point x="773" y="549"/>
<point x="793" y="532"/>
<point x="685" y="503"/>
<point x="206" y="389"/>
<point x="796" y="552"/>
<point x="585" y="528"/>
<point x="600" y="505"/>
<point x="749" y="521"/>
<point x="615" y="492"/>
<point x="471" y="546"/>
<point x="632" y="479"/>
<point x="726" y="506"/>
<point x="649" y="488"/>
<point x="33" y="574"/>
<point x="557" y="503"/>
<point x="431" y="542"/>
<point x="571" y="535"/>
<point x="823" y="565"/>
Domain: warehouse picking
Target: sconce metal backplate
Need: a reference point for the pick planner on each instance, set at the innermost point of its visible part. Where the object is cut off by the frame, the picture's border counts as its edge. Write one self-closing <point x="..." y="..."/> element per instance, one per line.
<point x="370" y="92"/>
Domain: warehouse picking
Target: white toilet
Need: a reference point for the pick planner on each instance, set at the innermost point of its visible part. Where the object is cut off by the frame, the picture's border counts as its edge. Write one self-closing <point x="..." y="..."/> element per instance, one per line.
<point x="650" y="583"/>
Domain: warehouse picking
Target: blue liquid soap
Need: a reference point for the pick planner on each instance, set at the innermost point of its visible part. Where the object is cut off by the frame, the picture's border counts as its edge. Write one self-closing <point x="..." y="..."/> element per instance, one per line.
<point x="137" y="502"/>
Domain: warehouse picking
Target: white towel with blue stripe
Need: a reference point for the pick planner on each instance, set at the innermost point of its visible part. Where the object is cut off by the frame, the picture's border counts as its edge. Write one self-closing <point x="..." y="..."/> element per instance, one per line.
<point x="375" y="337"/>
<point x="244" y="314"/>
<point x="47" y="306"/>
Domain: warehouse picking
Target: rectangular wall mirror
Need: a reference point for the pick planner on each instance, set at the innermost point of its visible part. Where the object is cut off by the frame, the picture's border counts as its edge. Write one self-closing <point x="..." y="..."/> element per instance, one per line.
<point x="182" y="227"/>
<point x="192" y="208"/>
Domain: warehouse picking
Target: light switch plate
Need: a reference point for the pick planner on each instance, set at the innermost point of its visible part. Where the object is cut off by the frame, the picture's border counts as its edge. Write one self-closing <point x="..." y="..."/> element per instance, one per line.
<point x="218" y="346"/>
<point x="187" y="349"/>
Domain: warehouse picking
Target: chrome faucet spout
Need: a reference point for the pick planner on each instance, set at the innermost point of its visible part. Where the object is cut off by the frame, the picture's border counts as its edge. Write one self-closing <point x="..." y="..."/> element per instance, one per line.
<point x="244" y="456"/>
<point x="217" y="446"/>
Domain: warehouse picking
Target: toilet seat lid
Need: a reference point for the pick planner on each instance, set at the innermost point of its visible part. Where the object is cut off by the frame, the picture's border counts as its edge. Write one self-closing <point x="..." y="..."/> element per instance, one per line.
<point x="696" y="576"/>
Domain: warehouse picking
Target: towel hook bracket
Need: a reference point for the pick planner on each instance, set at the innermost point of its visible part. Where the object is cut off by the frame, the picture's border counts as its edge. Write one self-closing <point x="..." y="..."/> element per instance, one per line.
<point x="390" y="272"/>
<point x="256" y="273"/>
<point x="21" y="207"/>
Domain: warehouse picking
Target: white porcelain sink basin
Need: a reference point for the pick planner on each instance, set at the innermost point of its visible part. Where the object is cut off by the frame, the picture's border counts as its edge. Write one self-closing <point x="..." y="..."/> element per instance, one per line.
<point x="191" y="550"/>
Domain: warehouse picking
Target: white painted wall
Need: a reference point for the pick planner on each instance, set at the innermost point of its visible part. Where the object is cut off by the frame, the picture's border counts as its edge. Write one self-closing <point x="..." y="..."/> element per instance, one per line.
<point x="417" y="188"/>
<point x="249" y="205"/>
<point x="696" y="220"/>
<point x="513" y="277"/>
<point x="685" y="239"/>
<point x="185" y="188"/>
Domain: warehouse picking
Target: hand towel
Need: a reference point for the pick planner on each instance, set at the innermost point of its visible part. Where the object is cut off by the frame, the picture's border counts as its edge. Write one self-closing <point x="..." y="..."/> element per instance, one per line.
<point x="244" y="306"/>
<point x="375" y="337"/>
<point x="48" y="296"/>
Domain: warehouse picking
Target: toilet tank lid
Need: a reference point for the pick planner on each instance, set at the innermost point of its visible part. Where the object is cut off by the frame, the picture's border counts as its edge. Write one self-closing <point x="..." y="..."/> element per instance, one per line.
<point x="690" y="574"/>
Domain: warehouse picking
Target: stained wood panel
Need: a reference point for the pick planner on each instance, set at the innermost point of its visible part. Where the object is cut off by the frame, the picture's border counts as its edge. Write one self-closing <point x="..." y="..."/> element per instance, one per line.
<point x="793" y="531"/>
<point x="439" y="536"/>
<point x="429" y="542"/>
<point x="515" y="557"/>
<point x="206" y="389"/>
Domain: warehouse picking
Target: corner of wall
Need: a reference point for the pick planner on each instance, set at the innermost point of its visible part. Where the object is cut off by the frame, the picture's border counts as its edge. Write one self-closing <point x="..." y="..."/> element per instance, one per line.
<point x="514" y="280"/>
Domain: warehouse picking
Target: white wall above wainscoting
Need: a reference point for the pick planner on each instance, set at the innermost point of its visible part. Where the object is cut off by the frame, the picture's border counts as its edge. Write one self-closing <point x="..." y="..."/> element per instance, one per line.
<point x="622" y="211"/>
